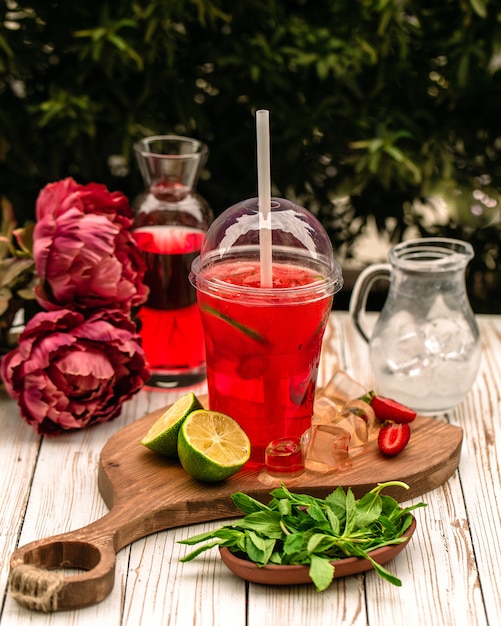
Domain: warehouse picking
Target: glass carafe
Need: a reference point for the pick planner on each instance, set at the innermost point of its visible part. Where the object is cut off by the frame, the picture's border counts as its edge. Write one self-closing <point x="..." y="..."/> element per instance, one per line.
<point x="171" y="220"/>
<point x="425" y="347"/>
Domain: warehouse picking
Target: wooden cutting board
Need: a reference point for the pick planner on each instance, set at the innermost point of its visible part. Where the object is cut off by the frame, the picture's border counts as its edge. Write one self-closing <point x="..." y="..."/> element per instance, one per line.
<point x="147" y="493"/>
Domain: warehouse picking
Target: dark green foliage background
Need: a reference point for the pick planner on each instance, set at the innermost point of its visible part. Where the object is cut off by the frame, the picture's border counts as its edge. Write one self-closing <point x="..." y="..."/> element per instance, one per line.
<point x="381" y="102"/>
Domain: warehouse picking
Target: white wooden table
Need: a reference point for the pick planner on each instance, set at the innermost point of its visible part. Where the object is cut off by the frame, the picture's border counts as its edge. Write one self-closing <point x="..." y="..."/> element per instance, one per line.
<point x="450" y="571"/>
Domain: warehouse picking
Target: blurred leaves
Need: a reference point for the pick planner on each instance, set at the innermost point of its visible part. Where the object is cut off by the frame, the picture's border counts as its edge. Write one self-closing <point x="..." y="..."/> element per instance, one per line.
<point x="377" y="101"/>
<point x="17" y="271"/>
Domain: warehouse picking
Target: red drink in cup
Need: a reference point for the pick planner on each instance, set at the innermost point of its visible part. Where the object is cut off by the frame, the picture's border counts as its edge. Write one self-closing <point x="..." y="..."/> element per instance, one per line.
<point x="262" y="358"/>
<point x="263" y="343"/>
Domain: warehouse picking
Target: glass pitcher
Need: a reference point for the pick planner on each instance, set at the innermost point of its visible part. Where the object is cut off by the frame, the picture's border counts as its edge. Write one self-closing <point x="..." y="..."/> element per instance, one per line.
<point x="171" y="220"/>
<point x="425" y="346"/>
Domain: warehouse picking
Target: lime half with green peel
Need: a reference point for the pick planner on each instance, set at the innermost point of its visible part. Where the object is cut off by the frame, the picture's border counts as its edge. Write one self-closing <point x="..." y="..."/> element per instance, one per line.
<point x="212" y="446"/>
<point x="162" y="436"/>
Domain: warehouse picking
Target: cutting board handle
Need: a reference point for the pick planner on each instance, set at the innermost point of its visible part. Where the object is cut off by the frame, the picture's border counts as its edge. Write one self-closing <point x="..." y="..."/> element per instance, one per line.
<point x="37" y="582"/>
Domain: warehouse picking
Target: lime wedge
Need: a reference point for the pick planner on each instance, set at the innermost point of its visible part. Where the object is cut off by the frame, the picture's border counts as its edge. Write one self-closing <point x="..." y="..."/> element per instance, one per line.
<point x="212" y="446"/>
<point x="162" y="436"/>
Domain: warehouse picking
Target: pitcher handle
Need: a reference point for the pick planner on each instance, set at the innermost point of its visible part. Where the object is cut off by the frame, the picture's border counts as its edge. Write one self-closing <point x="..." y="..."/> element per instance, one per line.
<point x="361" y="289"/>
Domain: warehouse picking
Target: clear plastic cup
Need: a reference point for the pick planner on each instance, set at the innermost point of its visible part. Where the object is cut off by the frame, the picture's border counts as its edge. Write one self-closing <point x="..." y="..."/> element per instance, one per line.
<point x="263" y="344"/>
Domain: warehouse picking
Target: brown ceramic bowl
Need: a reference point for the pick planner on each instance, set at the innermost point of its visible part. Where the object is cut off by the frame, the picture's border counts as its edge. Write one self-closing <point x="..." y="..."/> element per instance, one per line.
<point x="298" y="574"/>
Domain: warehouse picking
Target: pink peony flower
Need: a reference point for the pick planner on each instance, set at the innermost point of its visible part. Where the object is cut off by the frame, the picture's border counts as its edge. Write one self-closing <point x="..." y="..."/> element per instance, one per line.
<point x="84" y="254"/>
<point x="69" y="372"/>
<point x="56" y="198"/>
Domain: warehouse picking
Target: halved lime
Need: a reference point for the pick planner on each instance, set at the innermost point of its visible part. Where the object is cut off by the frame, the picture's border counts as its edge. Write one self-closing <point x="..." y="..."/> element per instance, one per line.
<point x="162" y="436"/>
<point x="212" y="446"/>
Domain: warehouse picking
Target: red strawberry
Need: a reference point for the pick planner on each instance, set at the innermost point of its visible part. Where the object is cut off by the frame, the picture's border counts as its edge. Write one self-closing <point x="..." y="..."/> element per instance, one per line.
<point x="388" y="409"/>
<point x="393" y="437"/>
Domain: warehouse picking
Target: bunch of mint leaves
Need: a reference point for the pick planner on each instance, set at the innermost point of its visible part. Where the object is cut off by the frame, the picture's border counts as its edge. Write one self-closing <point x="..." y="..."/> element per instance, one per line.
<point x="298" y="529"/>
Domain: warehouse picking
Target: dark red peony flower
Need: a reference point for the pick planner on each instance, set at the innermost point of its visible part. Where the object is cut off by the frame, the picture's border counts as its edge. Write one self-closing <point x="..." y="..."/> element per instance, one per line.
<point x="69" y="372"/>
<point x="84" y="253"/>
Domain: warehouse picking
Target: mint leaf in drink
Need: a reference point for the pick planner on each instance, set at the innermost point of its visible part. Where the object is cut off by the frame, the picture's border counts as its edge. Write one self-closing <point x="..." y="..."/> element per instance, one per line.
<point x="250" y="332"/>
<point x="299" y="529"/>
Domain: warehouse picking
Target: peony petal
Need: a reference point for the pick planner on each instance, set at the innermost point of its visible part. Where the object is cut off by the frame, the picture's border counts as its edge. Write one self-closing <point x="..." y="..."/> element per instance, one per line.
<point x="84" y="372"/>
<point x="52" y="196"/>
<point x="69" y="372"/>
<point x="87" y="261"/>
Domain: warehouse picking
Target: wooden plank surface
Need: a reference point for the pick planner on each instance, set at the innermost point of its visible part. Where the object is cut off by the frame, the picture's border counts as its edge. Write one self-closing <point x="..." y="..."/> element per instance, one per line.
<point x="18" y="455"/>
<point x="147" y="493"/>
<point x="441" y="584"/>
<point x="480" y="417"/>
<point x="450" y="571"/>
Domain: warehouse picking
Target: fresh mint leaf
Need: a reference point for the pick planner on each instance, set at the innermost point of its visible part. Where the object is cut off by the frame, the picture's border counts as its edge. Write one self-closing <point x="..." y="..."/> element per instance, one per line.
<point x="390" y="507"/>
<point x="351" y="512"/>
<point x="320" y="543"/>
<point x="382" y="571"/>
<point x="301" y="529"/>
<point x="406" y="522"/>
<point x="284" y="506"/>
<point x="368" y="509"/>
<point x="246" y="504"/>
<point x="296" y="499"/>
<point x="223" y="533"/>
<point x="333" y="521"/>
<point x="321" y="572"/>
<point x="195" y="553"/>
<point x="293" y="543"/>
<point x="226" y="537"/>
<point x="280" y="493"/>
<point x="389" y="527"/>
<point x="337" y="503"/>
<point x="276" y="559"/>
<point x="266" y="522"/>
<point x="316" y="513"/>
<point x="259" y="548"/>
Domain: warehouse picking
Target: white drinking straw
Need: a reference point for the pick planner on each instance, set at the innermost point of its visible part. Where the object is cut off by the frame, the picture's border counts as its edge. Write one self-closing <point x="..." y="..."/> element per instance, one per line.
<point x="264" y="193"/>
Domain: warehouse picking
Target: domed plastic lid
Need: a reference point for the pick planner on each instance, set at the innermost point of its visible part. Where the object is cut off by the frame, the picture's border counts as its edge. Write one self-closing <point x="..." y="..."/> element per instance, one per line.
<point x="297" y="237"/>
